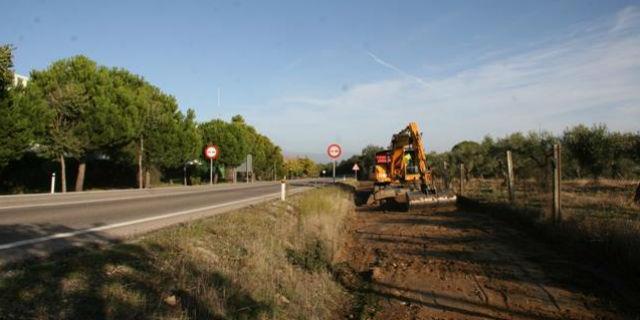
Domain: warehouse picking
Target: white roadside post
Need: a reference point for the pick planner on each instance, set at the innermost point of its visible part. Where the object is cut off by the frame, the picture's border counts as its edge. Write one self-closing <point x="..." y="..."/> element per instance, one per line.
<point x="53" y="183"/>
<point x="283" y="189"/>
<point x="184" y="174"/>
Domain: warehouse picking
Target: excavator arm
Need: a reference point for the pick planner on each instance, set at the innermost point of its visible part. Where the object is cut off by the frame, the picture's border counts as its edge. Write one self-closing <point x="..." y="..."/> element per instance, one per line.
<point x="418" y="147"/>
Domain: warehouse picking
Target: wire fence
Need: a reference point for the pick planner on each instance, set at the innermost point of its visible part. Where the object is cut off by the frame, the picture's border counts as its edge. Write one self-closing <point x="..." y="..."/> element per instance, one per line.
<point x="599" y="217"/>
<point x="544" y="188"/>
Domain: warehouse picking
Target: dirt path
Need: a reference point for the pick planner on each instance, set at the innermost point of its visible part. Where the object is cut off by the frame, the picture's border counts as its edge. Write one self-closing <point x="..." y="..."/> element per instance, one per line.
<point x="449" y="264"/>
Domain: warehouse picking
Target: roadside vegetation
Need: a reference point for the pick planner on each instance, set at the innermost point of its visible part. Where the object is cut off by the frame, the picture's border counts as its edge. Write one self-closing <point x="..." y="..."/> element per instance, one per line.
<point x="588" y="153"/>
<point x="101" y="127"/>
<point x="301" y="167"/>
<point x="270" y="261"/>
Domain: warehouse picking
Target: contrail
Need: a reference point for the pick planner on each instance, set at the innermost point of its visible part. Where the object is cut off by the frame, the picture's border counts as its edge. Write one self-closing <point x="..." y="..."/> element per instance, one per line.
<point x="394" y="68"/>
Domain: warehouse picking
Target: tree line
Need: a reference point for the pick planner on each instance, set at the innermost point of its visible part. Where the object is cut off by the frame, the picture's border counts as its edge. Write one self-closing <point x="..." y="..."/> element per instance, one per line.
<point x="300" y="167"/>
<point x="76" y="114"/>
<point x="587" y="152"/>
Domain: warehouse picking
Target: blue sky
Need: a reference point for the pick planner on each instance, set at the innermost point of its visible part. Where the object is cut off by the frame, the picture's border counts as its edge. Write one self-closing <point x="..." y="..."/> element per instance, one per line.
<point x="353" y="72"/>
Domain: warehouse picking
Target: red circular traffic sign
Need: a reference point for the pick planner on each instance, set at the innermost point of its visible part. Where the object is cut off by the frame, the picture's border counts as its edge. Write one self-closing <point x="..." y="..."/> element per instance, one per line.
<point x="212" y="152"/>
<point x="334" y="151"/>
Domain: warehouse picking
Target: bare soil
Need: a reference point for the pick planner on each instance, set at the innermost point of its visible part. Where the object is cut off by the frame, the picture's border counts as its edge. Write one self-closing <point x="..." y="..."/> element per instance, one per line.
<point x="452" y="264"/>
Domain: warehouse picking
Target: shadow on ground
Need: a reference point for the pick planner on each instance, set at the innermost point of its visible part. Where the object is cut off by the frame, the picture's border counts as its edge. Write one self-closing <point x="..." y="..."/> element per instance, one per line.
<point x="121" y="281"/>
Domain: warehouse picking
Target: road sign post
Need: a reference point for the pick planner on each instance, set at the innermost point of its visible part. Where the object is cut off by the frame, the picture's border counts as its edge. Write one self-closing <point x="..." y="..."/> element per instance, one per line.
<point x="334" y="171"/>
<point x="211" y="152"/>
<point x="334" y="151"/>
<point x="355" y="170"/>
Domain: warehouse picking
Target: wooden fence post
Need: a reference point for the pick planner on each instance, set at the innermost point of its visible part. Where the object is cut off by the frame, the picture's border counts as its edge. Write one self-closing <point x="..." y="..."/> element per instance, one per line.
<point x="510" y="184"/>
<point x="462" y="179"/>
<point x="447" y="184"/>
<point x="557" y="178"/>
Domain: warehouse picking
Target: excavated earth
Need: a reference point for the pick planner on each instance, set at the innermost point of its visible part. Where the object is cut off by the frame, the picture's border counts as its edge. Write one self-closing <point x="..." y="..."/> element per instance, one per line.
<point x="452" y="264"/>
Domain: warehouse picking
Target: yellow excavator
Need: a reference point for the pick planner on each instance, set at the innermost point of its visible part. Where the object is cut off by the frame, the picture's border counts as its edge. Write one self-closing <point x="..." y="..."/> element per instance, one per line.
<point x="401" y="175"/>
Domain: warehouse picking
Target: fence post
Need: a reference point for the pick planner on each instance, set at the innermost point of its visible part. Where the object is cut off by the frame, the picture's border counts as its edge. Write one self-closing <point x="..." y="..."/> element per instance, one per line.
<point x="557" y="177"/>
<point x="462" y="179"/>
<point x="447" y="184"/>
<point x="510" y="184"/>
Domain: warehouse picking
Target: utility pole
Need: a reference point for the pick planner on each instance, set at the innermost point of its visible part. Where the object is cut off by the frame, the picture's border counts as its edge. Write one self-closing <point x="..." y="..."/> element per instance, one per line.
<point x="218" y="97"/>
<point x="140" y="155"/>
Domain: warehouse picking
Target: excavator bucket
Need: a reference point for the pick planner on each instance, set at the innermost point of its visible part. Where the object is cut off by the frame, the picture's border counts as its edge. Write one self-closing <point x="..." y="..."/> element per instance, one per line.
<point x="417" y="200"/>
<point x="410" y="200"/>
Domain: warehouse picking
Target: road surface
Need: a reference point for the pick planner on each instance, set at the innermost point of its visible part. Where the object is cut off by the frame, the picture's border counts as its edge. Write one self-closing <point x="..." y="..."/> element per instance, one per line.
<point x="37" y="225"/>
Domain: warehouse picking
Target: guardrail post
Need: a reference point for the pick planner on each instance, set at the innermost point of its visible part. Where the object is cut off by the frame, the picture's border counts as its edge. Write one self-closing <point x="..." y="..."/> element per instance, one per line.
<point x="283" y="190"/>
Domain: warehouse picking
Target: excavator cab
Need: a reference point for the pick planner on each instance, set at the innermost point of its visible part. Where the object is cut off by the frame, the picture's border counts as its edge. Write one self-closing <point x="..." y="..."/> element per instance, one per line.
<point x="410" y="164"/>
<point x="381" y="171"/>
<point x="402" y="164"/>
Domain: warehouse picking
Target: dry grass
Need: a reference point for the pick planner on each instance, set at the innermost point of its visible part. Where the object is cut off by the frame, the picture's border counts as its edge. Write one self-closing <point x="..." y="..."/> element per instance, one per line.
<point x="270" y="261"/>
<point x="600" y="219"/>
<point x="580" y="198"/>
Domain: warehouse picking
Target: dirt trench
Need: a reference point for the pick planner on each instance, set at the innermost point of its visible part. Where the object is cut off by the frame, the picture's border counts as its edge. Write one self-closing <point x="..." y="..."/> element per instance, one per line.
<point x="453" y="264"/>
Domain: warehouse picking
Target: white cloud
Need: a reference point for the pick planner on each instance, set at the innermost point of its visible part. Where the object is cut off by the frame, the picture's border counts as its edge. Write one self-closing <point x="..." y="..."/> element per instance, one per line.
<point x="626" y="18"/>
<point x="587" y="77"/>
<point x="394" y="68"/>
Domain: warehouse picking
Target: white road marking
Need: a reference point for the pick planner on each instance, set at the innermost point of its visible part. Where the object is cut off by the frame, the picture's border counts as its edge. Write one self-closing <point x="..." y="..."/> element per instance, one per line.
<point x="128" y="223"/>
<point x="147" y="196"/>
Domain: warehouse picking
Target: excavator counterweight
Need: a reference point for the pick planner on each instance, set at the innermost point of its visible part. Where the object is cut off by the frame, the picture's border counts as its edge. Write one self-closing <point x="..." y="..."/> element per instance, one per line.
<point x="401" y="174"/>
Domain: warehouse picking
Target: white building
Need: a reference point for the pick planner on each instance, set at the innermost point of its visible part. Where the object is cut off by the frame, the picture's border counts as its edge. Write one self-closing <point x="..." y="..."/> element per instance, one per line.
<point x="19" y="80"/>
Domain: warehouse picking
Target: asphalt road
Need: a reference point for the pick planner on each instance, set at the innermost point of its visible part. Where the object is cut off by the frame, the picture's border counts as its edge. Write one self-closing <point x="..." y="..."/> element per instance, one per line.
<point x="37" y="225"/>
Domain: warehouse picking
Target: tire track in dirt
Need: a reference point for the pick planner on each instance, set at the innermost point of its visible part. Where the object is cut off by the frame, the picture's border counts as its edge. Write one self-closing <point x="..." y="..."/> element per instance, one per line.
<point x="450" y="264"/>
